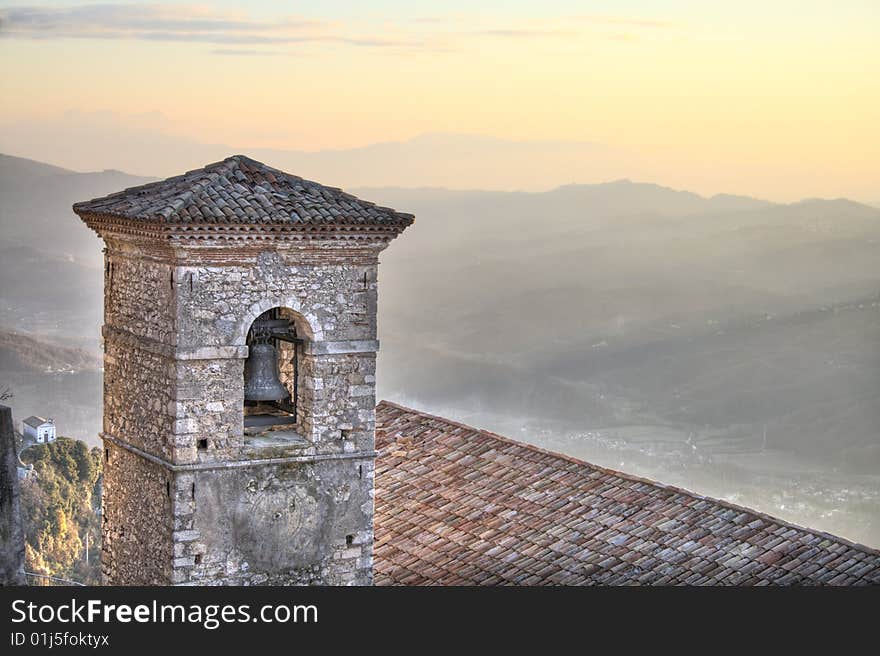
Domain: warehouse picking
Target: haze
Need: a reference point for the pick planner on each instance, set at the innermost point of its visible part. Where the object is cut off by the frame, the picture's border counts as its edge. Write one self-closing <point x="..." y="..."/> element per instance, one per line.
<point x="621" y="249"/>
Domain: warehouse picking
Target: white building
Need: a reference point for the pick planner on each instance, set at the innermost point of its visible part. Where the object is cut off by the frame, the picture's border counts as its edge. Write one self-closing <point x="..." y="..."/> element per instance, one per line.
<point x="38" y="429"/>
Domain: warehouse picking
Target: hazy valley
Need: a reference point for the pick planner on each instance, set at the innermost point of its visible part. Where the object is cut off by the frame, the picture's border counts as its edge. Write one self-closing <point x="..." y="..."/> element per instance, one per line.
<point x="726" y="344"/>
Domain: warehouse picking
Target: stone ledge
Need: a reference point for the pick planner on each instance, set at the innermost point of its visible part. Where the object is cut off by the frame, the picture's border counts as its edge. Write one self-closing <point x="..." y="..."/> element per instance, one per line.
<point x="128" y="338"/>
<point x="211" y="353"/>
<point x="233" y="464"/>
<point x="341" y="347"/>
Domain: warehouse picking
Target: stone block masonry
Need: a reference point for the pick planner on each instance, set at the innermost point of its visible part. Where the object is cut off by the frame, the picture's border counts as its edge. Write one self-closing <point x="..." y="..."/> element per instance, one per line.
<point x="190" y="497"/>
<point x="209" y="507"/>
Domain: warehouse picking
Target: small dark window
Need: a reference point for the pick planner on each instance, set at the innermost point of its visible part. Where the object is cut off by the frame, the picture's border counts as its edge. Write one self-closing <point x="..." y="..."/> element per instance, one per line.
<point x="349" y="540"/>
<point x="203" y="444"/>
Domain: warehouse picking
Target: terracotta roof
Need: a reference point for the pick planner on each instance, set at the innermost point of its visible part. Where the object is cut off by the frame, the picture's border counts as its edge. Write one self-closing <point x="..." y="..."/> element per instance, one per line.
<point x="459" y="506"/>
<point x="240" y="190"/>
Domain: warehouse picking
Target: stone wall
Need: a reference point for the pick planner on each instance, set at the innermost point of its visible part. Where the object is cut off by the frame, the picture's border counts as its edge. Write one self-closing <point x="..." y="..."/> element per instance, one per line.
<point x="139" y="293"/>
<point x="208" y="409"/>
<point x="340" y="390"/>
<point x="136" y="547"/>
<point x="335" y="296"/>
<point x="189" y="498"/>
<point x="139" y="389"/>
<point x="286" y="524"/>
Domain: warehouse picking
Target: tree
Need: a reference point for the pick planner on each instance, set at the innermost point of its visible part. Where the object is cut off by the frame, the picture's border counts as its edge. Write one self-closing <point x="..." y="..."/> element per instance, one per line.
<point x="60" y="509"/>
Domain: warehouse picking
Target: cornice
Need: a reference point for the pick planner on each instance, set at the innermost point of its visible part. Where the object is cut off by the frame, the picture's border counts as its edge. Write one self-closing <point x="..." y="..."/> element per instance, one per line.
<point x="106" y="225"/>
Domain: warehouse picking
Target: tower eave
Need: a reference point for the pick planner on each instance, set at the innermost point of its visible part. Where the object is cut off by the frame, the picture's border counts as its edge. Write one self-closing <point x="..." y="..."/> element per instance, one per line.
<point x="108" y="225"/>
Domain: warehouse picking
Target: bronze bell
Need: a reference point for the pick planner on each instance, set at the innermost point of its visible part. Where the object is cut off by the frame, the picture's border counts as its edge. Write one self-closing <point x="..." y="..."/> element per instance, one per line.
<point x="261" y="381"/>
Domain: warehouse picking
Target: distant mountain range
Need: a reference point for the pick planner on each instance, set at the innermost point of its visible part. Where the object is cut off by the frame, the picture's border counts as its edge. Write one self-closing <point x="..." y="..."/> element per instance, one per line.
<point x="444" y="159"/>
<point x="709" y="341"/>
<point x="35" y="200"/>
<point x="49" y="258"/>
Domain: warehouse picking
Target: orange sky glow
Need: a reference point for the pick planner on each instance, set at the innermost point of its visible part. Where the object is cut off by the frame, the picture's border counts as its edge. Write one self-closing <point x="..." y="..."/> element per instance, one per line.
<point x="780" y="102"/>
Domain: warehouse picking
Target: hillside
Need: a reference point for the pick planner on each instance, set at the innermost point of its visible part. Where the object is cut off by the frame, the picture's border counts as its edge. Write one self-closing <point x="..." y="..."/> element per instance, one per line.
<point x="50" y="263"/>
<point x="51" y="379"/>
<point x="49" y="294"/>
<point x="731" y="349"/>
<point x="60" y="507"/>
<point x="25" y="354"/>
<point x="725" y="344"/>
<point x="35" y="200"/>
<point x="518" y="273"/>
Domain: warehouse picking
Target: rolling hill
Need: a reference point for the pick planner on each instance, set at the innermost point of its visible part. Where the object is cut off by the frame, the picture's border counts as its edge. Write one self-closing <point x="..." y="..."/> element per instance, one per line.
<point x="725" y="344"/>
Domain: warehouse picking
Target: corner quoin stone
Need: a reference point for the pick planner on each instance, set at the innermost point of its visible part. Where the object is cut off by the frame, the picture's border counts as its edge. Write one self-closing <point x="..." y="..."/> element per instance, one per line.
<point x="189" y="498"/>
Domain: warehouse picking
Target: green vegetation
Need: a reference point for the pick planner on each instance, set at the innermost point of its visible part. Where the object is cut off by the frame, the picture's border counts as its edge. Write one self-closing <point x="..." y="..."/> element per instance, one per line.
<point x="61" y="502"/>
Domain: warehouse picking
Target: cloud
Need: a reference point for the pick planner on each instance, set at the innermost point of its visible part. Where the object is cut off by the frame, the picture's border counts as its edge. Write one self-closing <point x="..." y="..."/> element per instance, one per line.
<point x="623" y="21"/>
<point x="246" y="53"/>
<point x="125" y="19"/>
<point x="527" y="33"/>
<point x="236" y="33"/>
<point x="431" y="20"/>
<point x="146" y="22"/>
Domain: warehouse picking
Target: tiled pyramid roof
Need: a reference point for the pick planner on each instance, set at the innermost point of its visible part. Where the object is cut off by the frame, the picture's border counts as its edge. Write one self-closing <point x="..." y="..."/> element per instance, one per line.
<point x="459" y="506"/>
<point x="240" y="190"/>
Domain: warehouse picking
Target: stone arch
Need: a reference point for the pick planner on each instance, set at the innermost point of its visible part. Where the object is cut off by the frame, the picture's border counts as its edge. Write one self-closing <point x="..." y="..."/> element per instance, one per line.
<point x="294" y="370"/>
<point x="307" y="325"/>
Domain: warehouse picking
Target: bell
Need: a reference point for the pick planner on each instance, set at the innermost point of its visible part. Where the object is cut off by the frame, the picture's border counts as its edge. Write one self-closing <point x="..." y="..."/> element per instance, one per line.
<point x="261" y="381"/>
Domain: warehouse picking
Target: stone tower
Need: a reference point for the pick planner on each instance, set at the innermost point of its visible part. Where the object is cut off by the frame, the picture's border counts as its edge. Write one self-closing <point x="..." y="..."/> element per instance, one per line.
<point x="201" y="486"/>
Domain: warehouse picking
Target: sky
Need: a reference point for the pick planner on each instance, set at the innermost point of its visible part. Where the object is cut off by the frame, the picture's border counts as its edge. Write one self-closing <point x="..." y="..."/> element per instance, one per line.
<point x="775" y="99"/>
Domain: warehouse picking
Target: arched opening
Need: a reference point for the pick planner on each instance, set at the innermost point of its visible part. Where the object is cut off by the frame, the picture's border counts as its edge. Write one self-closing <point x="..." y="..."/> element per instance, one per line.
<point x="273" y="376"/>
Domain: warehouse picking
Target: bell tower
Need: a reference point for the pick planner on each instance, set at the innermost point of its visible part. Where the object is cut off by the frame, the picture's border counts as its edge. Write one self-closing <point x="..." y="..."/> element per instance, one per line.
<point x="239" y="378"/>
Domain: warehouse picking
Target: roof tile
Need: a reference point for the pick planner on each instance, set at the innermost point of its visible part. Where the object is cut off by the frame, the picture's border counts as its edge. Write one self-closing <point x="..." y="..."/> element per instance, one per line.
<point x="468" y="507"/>
<point x="240" y="190"/>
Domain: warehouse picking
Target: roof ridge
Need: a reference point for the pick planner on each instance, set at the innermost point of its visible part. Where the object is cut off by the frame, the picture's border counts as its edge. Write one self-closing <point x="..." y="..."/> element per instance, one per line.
<point x="197" y="183"/>
<point x="632" y="477"/>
